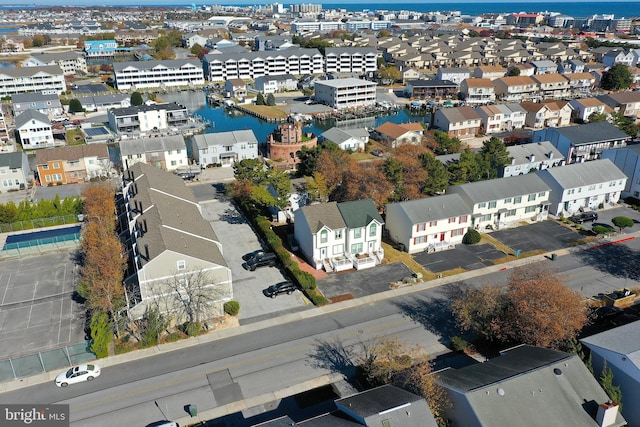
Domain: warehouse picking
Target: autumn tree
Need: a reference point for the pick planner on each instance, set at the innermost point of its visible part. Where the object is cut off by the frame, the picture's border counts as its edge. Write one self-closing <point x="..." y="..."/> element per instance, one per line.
<point x="362" y="182"/>
<point x="316" y="187"/>
<point x="389" y="74"/>
<point x="309" y="157"/>
<point x="414" y="175"/>
<point x="535" y="308"/>
<point x="542" y="310"/>
<point x="332" y="165"/>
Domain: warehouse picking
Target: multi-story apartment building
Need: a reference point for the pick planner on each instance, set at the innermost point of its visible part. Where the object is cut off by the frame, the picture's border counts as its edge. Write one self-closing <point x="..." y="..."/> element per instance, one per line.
<point x="250" y="65"/>
<point x="478" y="91"/>
<point x="145" y="118"/>
<point x="46" y="79"/>
<point x="71" y="62"/>
<point x="345" y="93"/>
<point x="516" y="88"/>
<point x="157" y="74"/>
<point x="362" y="60"/>
<point x="316" y="26"/>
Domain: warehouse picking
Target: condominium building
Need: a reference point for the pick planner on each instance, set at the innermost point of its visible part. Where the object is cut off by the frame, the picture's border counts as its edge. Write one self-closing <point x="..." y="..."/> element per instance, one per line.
<point x="361" y="60"/>
<point x="145" y="118"/>
<point x="47" y="79"/>
<point x="250" y="65"/>
<point x="345" y="93"/>
<point x="157" y="74"/>
<point x="71" y="62"/>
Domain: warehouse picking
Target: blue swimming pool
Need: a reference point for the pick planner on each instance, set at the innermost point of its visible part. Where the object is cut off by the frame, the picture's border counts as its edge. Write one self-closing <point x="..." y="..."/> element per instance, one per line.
<point x="37" y="238"/>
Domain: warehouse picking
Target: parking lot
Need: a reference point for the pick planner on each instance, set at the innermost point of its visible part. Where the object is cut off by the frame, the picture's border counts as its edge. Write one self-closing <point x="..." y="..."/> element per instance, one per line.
<point x="237" y="239"/>
<point x="547" y="236"/>
<point x="467" y="257"/>
<point x="37" y="311"/>
<point x="357" y="284"/>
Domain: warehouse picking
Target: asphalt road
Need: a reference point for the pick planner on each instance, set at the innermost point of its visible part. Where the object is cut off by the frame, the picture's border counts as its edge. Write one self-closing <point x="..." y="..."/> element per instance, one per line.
<point x="299" y="349"/>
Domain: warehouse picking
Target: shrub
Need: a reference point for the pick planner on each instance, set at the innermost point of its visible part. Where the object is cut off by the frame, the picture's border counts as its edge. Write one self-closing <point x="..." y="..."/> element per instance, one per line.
<point x="471" y="238"/>
<point x="193" y="328"/>
<point x="459" y="344"/>
<point x="232" y="308"/>
<point x="172" y="337"/>
<point x="317" y="299"/>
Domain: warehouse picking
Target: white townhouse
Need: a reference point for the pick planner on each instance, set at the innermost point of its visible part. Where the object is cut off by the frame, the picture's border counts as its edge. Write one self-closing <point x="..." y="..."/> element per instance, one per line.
<point x="45" y="79"/>
<point x="347" y="139"/>
<point x="619" y="350"/>
<point x="455" y="75"/>
<point x="71" y="62"/>
<point x="532" y="157"/>
<point x="584" y="186"/>
<point x="273" y="84"/>
<point x="491" y="118"/>
<point x="7" y="144"/>
<point x="158" y="74"/>
<point x="516" y="88"/>
<point x="15" y="173"/>
<point x="219" y="67"/>
<point x="224" y="148"/>
<point x="627" y="159"/>
<point x="513" y="116"/>
<point x="146" y="118"/>
<point x="583" y="108"/>
<point x="505" y="202"/>
<point x="361" y="60"/>
<point x="340" y="236"/>
<point x="34" y="131"/>
<point x="477" y="91"/>
<point x="345" y="93"/>
<point x="164" y="152"/>
<point x="430" y="224"/>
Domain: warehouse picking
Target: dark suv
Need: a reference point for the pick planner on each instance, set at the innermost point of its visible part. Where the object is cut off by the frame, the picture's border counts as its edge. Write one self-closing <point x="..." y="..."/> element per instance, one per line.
<point x="584" y="217"/>
<point x="279" y="288"/>
<point x="261" y="260"/>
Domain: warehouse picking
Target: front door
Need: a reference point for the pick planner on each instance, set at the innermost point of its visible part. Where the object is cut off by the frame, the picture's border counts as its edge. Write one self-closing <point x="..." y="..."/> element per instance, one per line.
<point x="442" y="237"/>
<point x="323" y="253"/>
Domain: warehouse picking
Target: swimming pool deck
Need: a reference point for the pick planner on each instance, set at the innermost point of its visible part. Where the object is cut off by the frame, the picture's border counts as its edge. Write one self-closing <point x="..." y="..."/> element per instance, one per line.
<point x="38" y="249"/>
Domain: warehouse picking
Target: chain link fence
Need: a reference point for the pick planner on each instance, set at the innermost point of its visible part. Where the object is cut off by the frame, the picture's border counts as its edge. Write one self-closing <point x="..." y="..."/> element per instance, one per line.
<point x="38" y="223"/>
<point x="45" y="361"/>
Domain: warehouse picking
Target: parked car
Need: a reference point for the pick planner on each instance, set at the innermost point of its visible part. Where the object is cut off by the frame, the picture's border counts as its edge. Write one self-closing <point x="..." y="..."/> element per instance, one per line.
<point x="78" y="374"/>
<point x="267" y="259"/>
<point x="279" y="288"/>
<point x="247" y="257"/>
<point x="164" y="423"/>
<point x="584" y="217"/>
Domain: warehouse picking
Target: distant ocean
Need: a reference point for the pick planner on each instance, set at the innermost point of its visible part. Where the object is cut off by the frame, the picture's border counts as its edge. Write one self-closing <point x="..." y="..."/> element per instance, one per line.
<point x="577" y="9"/>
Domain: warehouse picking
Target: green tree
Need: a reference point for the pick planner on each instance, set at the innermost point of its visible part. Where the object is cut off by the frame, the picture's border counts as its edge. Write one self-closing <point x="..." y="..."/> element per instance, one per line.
<point x="445" y="144"/>
<point x="101" y="334"/>
<point x="136" y="98"/>
<point x="437" y="175"/>
<point x="196" y="49"/>
<point x="608" y="385"/>
<point x="260" y="99"/>
<point x="616" y="78"/>
<point x="75" y="106"/>
<point x="625" y="124"/>
<point x="252" y="170"/>
<point x="467" y="169"/>
<point x="495" y="155"/>
<point x="513" y="72"/>
<point x="622" y="222"/>
<point x="597" y="117"/>
<point x="271" y="99"/>
<point x="281" y="183"/>
<point x="151" y="327"/>
<point x="393" y="171"/>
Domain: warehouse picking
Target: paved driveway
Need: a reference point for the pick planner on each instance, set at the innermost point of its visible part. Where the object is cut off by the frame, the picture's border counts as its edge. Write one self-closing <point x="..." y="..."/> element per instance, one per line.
<point x="37" y="311"/>
<point x="545" y="235"/>
<point x="468" y="257"/>
<point x="360" y="283"/>
<point x="237" y="239"/>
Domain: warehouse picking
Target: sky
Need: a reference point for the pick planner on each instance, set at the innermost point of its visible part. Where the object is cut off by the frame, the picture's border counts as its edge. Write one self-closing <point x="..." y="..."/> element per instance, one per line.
<point x="384" y="3"/>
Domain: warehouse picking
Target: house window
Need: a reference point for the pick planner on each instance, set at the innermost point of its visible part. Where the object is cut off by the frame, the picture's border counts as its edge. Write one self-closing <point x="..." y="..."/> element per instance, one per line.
<point x="421" y="227"/>
<point x="507" y="200"/>
<point x="182" y="265"/>
<point x="338" y="249"/>
<point x="56" y="165"/>
<point x="45" y="167"/>
<point x="338" y="234"/>
<point x="532" y="197"/>
<point x="512" y="212"/>
<point x="517" y="200"/>
<point x="47" y="178"/>
<point x="463" y="219"/>
<point x="373" y="229"/>
<point x="482" y="205"/>
<point x="458" y="232"/>
<point x="433" y="223"/>
<point x="452" y="220"/>
<point x="492" y="205"/>
<point x="324" y="236"/>
<point x="542" y="194"/>
<point x="357" y="233"/>
<point x="530" y="209"/>
<point x="356" y="248"/>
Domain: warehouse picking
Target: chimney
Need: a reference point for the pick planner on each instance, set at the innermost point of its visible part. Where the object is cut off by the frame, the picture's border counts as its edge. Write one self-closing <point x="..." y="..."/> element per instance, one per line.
<point x="146" y="251"/>
<point x="513" y="161"/>
<point x="606" y="415"/>
<point x="532" y="158"/>
<point x="550" y="155"/>
<point x="144" y="223"/>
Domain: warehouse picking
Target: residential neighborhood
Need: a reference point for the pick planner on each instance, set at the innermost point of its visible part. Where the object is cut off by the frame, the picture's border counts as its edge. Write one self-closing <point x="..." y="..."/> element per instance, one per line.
<point x="318" y="215"/>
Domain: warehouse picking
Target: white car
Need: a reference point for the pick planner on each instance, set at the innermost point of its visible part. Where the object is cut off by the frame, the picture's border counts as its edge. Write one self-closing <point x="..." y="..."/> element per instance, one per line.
<point x="78" y="374"/>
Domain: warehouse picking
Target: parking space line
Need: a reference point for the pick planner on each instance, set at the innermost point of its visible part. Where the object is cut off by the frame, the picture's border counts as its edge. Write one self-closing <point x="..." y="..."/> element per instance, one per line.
<point x="6" y="289"/>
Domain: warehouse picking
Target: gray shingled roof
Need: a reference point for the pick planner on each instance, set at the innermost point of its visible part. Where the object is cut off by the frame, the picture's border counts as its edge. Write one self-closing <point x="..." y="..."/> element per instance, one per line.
<point x="624" y="340"/>
<point x="34" y="97"/>
<point x="591" y="133"/>
<point x="224" y="138"/>
<point x="29" y="115"/>
<point x="581" y="174"/>
<point x="377" y="400"/>
<point x="522" y="153"/>
<point x="324" y="214"/>
<point x="434" y="208"/>
<point x="359" y="213"/>
<point x="12" y="160"/>
<point x="135" y="109"/>
<point x="251" y="55"/>
<point x="339" y="136"/>
<point x="502" y="188"/>
<point x="349" y="50"/>
<point x="18" y="72"/>
<point x="148" y="145"/>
